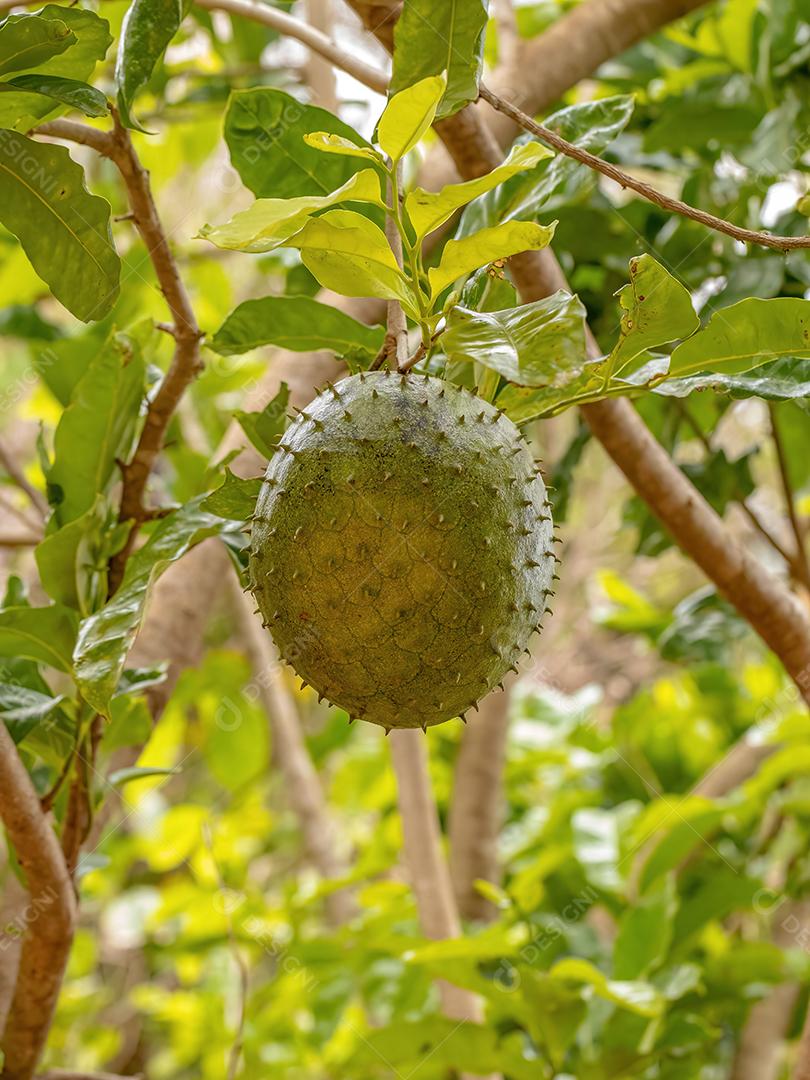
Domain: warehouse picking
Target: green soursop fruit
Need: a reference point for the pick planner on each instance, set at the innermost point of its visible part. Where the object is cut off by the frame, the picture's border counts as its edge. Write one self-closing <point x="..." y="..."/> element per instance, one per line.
<point x="401" y="548"/>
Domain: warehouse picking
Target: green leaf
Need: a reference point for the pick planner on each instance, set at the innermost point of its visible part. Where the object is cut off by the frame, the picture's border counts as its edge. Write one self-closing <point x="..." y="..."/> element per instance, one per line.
<point x="538" y="344"/>
<point x="745" y="335"/>
<point x="297" y="323"/>
<point x="138" y="772"/>
<point x="408" y="115"/>
<point x="44" y="634"/>
<point x="97" y="428"/>
<point x="29" y="40"/>
<point x="71" y="92"/>
<point x="329" y="143"/>
<point x="265" y="428"/>
<point x="270" y="223"/>
<point x="428" y="210"/>
<point x="22" y="109"/>
<point x="148" y="27"/>
<point x="656" y="309"/>
<point x="781" y="380"/>
<point x="65" y="560"/>
<point x="636" y="997"/>
<point x="21" y="709"/>
<point x="235" y="498"/>
<point x="63" y="229"/>
<point x="430" y="38"/>
<point x="591" y="125"/>
<point x="500" y="242"/>
<point x="348" y="253"/>
<point x="645" y="932"/>
<point x="106" y="637"/>
<point x="265" y="132"/>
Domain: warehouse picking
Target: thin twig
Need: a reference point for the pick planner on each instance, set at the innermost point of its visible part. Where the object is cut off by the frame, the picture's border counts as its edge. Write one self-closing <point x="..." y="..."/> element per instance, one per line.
<point x="801" y="562"/>
<point x="651" y="194"/>
<point x="18" y="476"/>
<point x="186" y="363"/>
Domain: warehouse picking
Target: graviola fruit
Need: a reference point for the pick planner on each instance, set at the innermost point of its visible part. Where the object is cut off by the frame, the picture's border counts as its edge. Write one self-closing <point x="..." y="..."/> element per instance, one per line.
<point x="401" y="548"/>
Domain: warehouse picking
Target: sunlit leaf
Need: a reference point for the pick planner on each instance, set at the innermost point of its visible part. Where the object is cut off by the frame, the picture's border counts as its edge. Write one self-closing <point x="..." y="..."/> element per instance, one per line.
<point x="408" y="115"/>
<point x="329" y="143"/>
<point x="427" y="210"/>
<point x="500" y="242"/>
<point x="270" y="223"/>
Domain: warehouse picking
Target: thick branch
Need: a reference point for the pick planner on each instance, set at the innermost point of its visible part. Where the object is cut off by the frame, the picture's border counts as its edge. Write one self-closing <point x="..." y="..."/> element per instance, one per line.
<point x="673" y="206"/>
<point x="49" y="916"/>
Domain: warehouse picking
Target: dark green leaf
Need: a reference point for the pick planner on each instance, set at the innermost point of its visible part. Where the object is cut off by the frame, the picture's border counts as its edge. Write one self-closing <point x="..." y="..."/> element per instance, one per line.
<point x="106" y="637"/>
<point x="538" y="344"/>
<point x="148" y="27"/>
<point x="745" y="335"/>
<point x="21" y="709"/>
<point x="265" y="129"/>
<point x="137" y="772"/>
<point x="97" y="427"/>
<point x="29" y="40"/>
<point x="72" y="92"/>
<point x="63" y="229"/>
<point x="235" y="498"/>
<point x="430" y="38"/>
<point x="44" y="634"/>
<point x="297" y="323"/>
<point x="26" y="322"/>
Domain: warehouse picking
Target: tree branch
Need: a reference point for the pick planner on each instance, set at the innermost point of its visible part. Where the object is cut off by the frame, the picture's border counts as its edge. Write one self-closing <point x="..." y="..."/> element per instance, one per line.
<point x="50" y="916"/>
<point x="19" y="478"/>
<point x="673" y="206"/>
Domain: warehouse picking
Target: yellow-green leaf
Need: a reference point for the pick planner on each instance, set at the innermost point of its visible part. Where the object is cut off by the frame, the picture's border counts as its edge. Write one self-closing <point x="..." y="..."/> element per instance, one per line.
<point x="350" y="254"/>
<point x="500" y="242"/>
<point x="408" y="115"/>
<point x="427" y="210"/>
<point x="270" y="223"/>
<point x="330" y="143"/>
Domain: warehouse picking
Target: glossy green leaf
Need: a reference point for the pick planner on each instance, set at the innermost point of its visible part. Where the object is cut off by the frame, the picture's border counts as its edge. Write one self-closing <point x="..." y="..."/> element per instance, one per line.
<point x="265" y="132"/>
<point x="298" y="323"/>
<point x="265" y="428"/>
<point x="63" y="229"/>
<point x="538" y="344"/>
<point x="781" y="380"/>
<point x="21" y="109"/>
<point x="148" y="27"/>
<point x="235" y="498"/>
<point x="500" y="242"/>
<point x="430" y="38"/>
<point x="270" y="223"/>
<point x="29" y="40"/>
<point x="44" y="634"/>
<point x="21" y="709"/>
<point x="590" y="125"/>
<point x="408" y="115"/>
<point x="428" y="210"/>
<point x="97" y="427"/>
<point x="71" y="92"/>
<point x="656" y="309"/>
<point x="348" y="253"/>
<point x="523" y="403"/>
<point x="106" y="637"/>
<point x="745" y="335"/>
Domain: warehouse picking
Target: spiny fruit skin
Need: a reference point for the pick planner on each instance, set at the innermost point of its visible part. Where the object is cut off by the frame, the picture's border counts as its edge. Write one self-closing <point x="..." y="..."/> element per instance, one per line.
<point x="401" y="548"/>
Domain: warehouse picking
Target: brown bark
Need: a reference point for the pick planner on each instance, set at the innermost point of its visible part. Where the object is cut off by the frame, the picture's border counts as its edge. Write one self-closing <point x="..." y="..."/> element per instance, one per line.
<point x="476" y="809"/>
<point x="49" y="916"/>
<point x="303" y="786"/>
